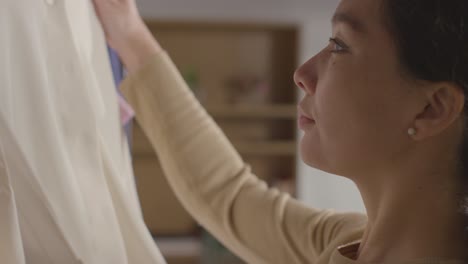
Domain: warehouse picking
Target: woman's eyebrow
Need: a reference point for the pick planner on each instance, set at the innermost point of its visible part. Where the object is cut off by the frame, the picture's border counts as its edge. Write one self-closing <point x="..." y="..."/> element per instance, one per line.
<point x="355" y="24"/>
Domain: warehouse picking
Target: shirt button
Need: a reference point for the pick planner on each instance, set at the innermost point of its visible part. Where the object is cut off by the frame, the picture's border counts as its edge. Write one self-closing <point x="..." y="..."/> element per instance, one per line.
<point x="50" y="2"/>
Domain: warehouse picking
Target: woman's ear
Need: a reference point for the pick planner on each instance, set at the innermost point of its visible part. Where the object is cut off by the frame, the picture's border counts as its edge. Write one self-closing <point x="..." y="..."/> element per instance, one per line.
<point x="444" y="104"/>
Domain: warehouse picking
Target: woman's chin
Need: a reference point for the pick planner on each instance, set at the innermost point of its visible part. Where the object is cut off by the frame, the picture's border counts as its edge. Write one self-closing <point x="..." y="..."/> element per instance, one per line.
<point x="311" y="159"/>
<point x="317" y="161"/>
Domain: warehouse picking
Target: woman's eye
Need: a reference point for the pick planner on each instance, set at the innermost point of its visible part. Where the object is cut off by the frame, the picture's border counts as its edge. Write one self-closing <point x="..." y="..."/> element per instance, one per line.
<point x="337" y="46"/>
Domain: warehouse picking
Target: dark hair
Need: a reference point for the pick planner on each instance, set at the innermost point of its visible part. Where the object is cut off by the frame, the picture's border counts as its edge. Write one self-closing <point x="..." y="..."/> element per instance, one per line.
<point x="431" y="37"/>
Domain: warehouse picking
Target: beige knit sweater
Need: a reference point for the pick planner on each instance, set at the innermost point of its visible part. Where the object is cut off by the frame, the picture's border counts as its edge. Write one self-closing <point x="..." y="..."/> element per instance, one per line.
<point x="259" y="224"/>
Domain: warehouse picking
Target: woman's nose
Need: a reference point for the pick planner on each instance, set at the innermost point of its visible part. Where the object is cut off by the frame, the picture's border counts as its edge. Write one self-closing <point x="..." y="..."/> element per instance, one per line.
<point x="298" y="79"/>
<point x="305" y="77"/>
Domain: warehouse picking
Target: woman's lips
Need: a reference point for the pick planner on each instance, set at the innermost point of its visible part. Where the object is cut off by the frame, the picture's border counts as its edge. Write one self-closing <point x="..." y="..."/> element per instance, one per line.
<point x="305" y="121"/>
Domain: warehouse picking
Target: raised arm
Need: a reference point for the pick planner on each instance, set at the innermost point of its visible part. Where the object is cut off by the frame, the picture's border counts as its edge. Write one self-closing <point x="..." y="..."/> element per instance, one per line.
<point x="208" y="176"/>
<point x="211" y="180"/>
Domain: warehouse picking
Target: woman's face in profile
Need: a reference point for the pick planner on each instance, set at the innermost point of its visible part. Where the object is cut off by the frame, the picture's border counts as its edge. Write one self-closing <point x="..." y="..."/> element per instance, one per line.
<point x="356" y="94"/>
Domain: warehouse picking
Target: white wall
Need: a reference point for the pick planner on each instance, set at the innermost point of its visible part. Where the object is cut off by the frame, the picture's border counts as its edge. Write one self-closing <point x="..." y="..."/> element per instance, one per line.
<point x="315" y="188"/>
<point x="238" y="10"/>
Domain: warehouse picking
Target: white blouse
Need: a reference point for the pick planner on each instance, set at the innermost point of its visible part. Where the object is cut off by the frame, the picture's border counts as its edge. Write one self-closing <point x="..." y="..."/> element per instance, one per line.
<point x="67" y="193"/>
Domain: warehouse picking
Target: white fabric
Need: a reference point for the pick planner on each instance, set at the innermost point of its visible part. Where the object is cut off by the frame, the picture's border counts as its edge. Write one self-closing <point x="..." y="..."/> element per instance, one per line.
<point x="67" y="193"/>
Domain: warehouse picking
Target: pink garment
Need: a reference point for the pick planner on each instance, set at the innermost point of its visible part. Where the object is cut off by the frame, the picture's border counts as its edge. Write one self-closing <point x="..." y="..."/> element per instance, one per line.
<point x="126" y="111"/>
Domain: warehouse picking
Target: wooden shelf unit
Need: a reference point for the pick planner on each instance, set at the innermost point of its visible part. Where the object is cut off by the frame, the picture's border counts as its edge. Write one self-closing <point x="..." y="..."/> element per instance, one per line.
<point x="273" y="111"/>
<point x="263" y="131"/>
<point x="268" y="148"/>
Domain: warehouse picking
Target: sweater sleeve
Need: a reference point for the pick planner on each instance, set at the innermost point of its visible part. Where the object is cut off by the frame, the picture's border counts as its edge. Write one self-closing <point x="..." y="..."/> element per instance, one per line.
<point x="259" y="224"/>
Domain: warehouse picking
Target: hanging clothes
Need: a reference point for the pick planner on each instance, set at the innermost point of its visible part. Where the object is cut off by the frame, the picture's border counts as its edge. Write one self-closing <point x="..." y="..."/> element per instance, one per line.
<point x="67" y="192"/>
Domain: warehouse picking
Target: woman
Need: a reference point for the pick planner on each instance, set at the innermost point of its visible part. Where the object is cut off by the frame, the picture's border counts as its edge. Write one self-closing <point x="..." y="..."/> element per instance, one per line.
<point x="394" y="75"/>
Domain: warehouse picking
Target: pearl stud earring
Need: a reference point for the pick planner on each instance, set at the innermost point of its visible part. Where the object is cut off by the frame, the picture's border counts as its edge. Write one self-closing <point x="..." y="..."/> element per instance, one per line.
<point x="411" y="131"/>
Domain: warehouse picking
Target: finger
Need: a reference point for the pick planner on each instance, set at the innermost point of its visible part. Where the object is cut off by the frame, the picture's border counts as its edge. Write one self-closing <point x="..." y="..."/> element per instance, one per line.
<point x="96" y="7"/>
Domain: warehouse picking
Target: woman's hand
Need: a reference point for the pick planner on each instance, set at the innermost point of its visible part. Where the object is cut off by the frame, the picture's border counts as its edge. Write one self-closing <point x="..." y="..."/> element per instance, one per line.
<point x="126" y="32"/>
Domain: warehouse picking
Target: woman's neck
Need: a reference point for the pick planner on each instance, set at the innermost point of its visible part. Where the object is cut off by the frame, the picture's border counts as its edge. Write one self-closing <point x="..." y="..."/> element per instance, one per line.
<point x="418" y="219"/>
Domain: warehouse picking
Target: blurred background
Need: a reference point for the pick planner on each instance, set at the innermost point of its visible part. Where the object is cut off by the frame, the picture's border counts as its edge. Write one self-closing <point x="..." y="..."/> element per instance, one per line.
<point x="238" y="57"/>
